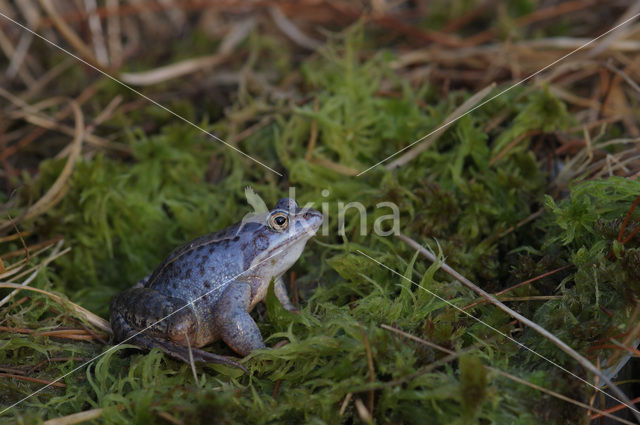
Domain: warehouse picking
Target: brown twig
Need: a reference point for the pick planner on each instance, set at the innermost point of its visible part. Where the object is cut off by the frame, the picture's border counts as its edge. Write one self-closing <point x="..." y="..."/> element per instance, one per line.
<point x="512" y="144"/>
<point x="626" y="220"/>
<point x="33" y="247"/>
<point x="36" y="380"/>
<point x="630" y="335"/>
<point x="313" y="135"/>
<point x="613" y="409"/>
<point x="372" y="373"/>
<point x="518" y="285"/>
<point x="27" y="253"/>
<point x="38" y="366"/>
<point x="12" y="370"/>
<point x="75" y="334"/>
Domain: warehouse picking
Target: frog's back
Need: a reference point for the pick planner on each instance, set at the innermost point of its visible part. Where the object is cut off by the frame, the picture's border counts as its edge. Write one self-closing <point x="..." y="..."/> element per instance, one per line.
<point x="205" y="265"/>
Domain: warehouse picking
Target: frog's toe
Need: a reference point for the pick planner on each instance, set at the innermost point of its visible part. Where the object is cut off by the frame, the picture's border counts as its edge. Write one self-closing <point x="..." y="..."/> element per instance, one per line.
<point x="200" y="356"/>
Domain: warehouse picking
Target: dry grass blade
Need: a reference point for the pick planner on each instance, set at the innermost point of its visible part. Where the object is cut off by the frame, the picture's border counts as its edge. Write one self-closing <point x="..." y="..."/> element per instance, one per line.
<point x="415" y="338"/>
<point x="59" y="187"/>
<point x="172" y="71"/>
<point x="86" y="94"/>
<point x="583" y="361"/>
<point x="91" y="139"/>
<point x="234" y="37"/>
<point x="191" y="362"/>
<point x="426" y="369"/>
<point x="334" y="166"/>
<point x="625" y="76"/>
<point x="619" y="32"/>
<point x="169" y="418"/>
<point x="51" y="75"/>
<point x="94" y="319"/>
<point x="512" y="144"/>
<point x="38" y="268"/>
<point x="16" y="266"/>
<point x="293" y="32"/>
<point x="114" y="36"/>
<point x="76" y="418"/>
<point x="10" y="52"/>
<point x="345" y="403"/>
<point x="19" y="55"/>
<point x="101" y="54"/>
<point x="364" y="414"/>
<point x="428" y="140"/>
<point x="68" y="33"/>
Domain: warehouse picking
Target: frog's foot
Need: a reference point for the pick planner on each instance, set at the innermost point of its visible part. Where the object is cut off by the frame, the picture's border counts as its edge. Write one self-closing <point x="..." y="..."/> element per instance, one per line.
<point x="182" y="353"/>
<point x="281" y="293"/>
<point x="236" y="327"/>
<point x="148" y="319"/>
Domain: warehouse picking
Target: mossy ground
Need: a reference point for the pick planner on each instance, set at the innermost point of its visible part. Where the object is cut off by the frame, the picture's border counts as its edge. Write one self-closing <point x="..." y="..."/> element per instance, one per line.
<point x="122" y="214"/>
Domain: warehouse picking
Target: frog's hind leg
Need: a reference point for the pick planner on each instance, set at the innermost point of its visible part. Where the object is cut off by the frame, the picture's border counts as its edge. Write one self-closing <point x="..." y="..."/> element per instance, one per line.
<point x="148" y="319"/>
<point x="232" y="320"/>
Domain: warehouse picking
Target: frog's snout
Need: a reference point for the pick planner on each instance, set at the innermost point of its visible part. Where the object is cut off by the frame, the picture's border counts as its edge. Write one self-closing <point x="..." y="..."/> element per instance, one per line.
<point x="313" y="216"/>
<point x="311" y="220"/>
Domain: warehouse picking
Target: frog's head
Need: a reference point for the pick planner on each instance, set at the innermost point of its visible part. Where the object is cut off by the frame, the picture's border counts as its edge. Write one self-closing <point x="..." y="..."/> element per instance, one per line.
<point x="278" y="237"/>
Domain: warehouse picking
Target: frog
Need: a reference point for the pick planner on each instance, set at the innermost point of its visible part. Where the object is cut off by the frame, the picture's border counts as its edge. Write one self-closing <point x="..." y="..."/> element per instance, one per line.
<point x="204" y="290"/>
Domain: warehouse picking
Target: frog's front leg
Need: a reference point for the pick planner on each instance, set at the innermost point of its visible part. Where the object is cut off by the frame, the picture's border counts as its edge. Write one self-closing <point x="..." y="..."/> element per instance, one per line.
<point x="149" y="319"/>
<point x="281" y="293"/>
<point x="232" y="320"/>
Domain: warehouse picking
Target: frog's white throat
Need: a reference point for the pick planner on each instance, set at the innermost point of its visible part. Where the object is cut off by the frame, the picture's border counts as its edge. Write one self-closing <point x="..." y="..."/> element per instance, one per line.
<point x="274" y="263"/>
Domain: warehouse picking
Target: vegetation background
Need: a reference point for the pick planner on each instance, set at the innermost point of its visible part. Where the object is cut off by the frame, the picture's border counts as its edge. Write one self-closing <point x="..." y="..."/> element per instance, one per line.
<point x="106" y="166"/>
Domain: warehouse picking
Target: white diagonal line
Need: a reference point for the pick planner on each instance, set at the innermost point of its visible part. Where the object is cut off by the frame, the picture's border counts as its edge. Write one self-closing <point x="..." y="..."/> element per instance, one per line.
<point x="140" y="94"/>
<point x="499" y="332"/>
<point x="190" y="303"/>
<point x="502" y="92"/>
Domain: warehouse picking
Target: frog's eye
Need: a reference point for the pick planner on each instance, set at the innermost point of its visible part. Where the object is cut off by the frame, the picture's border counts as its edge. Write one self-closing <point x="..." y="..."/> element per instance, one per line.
<point x="279" y="221"/>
